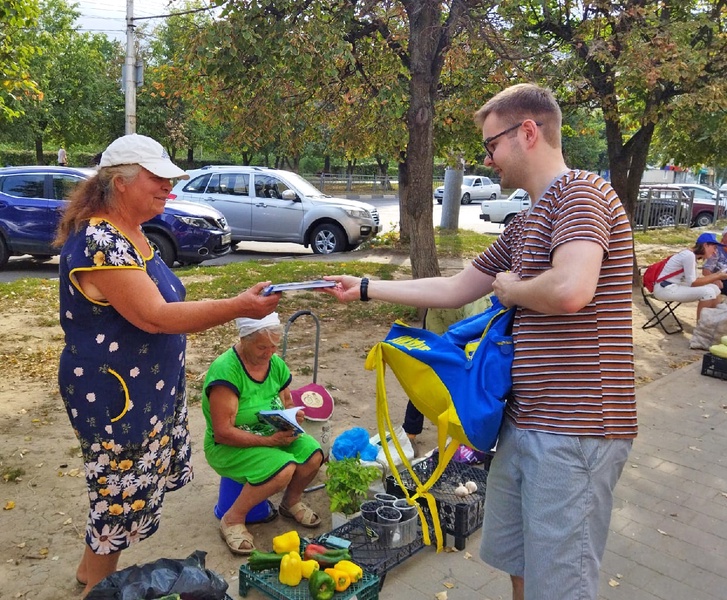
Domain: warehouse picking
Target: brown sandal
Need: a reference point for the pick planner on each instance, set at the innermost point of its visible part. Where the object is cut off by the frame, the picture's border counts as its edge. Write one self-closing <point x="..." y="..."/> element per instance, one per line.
<point x="236" y="536"/>
<point x="307" y="519"/>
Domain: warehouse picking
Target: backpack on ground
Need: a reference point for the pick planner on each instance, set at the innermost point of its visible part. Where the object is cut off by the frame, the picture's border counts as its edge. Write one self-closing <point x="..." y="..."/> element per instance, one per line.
<point x="653" y="275"/>
<point x="459" y="380"/>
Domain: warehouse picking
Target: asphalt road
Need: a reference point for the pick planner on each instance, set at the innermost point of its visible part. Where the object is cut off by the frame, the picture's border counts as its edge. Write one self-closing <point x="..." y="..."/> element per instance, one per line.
<point x="24" y="266"/>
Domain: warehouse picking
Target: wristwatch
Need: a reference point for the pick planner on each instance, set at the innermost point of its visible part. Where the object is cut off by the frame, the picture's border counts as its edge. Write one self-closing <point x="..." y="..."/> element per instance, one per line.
<point x="364" y="289"/>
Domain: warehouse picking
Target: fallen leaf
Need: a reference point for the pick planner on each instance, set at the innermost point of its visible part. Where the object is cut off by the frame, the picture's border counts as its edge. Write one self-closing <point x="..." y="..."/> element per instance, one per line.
<point x="21" y="545"/>
<point x="441" y="596"/>
<point x="43" y="551"/>
<point x="68" y="521"/>
<point x="467" y="555"/>
<point x="662" y="532"/>
<point x="634" y="466"/>
<point x="695" y="448"/>
<point x="9" y="505"/>
<point x="613" y="583"/>
<point x="448" y="585"/>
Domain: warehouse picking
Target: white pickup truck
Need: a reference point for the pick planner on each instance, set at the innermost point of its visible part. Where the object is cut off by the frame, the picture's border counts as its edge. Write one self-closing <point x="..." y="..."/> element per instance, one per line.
<point x="474" y="187"/>
<point x="502" y="211"/>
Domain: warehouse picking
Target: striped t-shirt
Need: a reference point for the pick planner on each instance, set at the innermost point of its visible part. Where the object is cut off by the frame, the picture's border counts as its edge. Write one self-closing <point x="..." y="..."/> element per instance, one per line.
<point x="573" y="374"/>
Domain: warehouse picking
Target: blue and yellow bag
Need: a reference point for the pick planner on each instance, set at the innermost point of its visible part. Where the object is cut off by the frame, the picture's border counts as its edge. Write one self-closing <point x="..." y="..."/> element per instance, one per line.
<point x="459" y="380"/>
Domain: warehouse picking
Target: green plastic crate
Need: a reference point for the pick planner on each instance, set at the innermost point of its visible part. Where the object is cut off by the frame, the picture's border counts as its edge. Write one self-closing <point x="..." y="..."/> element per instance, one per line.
<point x="267" y="582"/>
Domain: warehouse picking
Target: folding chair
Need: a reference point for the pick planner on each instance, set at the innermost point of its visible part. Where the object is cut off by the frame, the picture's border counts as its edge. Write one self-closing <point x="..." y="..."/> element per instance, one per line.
<point x="660" y="314"/>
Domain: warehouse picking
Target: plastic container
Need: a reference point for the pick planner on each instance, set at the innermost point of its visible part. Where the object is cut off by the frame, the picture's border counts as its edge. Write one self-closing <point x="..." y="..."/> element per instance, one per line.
<point x="459" y="517"/>
<point x="229" y="491"/>
<point x="714" y="366"/>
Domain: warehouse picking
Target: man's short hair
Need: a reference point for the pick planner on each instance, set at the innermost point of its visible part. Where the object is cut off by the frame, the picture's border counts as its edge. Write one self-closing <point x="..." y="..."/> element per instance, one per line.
<point x="525" y="101"/>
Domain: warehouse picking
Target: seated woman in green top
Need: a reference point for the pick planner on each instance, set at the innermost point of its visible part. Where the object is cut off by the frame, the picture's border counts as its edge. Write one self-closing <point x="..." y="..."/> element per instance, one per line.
<point x="248" y="378"/>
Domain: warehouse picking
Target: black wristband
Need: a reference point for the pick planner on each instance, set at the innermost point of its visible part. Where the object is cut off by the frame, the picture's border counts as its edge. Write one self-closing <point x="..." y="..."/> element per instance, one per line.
<point x="365" y="289"/>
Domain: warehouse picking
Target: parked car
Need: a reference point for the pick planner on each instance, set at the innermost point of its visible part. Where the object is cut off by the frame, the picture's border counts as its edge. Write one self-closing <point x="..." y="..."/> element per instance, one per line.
<point x="671" y="206"/>
<point x="502" y="211"/>
<point x="272" y="205"/>
<point x="701" y="192"/>
<point x="32" y="200"/>
<point x="474" y="187"/>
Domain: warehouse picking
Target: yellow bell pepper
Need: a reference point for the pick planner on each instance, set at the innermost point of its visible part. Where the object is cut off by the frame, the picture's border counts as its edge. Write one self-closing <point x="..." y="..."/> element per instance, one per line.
<point x="309" y="567"/>
<point x="286" y="542"/>
<point x="341" y="578"/>
<point x="354" y="571"/>
<point x="291" y="570"/>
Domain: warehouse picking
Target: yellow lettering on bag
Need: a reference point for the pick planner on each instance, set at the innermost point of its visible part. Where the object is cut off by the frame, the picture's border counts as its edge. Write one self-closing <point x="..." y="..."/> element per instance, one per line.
<point x="410" y="342"/>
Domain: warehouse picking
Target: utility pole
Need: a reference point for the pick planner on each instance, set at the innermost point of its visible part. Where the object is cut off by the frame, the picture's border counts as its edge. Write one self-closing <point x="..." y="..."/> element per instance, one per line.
<point x="130" y="71"/>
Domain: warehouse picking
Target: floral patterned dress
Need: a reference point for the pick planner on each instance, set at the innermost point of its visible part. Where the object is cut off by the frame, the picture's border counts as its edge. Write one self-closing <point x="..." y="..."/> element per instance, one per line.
<point x="124" y="390"/>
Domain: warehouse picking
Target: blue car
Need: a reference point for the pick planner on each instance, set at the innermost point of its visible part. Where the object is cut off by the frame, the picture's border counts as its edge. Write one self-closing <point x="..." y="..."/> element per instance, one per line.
<point x="32" y="199"/>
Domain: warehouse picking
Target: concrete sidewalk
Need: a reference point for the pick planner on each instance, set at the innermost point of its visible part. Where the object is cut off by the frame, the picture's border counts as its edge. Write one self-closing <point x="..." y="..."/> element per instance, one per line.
<point x="668" y="538"/>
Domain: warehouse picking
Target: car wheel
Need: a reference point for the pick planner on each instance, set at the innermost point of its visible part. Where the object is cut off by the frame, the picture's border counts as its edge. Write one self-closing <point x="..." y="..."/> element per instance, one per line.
<point x="666" y="221"/>
<point x="493" y="196"/>
<point x="507" y="219"/>
<point x="327" y="239"/>
<point x="466" y="199"/>
<point x="703" y="219"/>
<point x="4" y="253"/>
<point x="163" y="246"/>
<point x="439" y="201"/>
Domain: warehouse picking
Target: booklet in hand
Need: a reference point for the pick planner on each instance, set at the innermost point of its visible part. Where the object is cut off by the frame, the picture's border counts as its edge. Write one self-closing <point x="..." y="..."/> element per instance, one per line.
<point x="297" y="285"/>
<point x="283" y="420"/>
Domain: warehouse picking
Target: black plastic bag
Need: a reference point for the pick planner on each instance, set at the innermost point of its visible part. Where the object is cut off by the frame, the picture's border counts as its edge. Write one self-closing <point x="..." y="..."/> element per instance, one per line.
<point x="187" y="577"/>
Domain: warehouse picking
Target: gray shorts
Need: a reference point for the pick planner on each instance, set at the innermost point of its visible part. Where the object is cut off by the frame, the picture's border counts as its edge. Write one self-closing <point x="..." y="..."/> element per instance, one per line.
<point x="548" y="507"/>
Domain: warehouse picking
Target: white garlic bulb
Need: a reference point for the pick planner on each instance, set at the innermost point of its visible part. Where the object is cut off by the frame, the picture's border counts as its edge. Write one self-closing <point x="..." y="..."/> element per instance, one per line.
<point x="461" y="491"/>
<point x="471" y="487"/>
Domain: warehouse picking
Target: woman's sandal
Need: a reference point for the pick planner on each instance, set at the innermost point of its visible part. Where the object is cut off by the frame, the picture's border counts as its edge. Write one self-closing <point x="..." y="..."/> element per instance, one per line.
<point x="236" y="536"/>
<point x="307" y="519"/>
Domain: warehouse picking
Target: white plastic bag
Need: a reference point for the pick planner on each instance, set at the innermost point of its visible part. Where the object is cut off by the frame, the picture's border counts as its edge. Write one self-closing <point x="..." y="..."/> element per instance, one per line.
<point x="381" y="463"/>
<point x="711" y="327"/>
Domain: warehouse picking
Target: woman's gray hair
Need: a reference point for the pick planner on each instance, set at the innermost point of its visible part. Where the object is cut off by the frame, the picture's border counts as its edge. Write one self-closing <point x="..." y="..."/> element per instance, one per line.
<point x="93" y="197"/>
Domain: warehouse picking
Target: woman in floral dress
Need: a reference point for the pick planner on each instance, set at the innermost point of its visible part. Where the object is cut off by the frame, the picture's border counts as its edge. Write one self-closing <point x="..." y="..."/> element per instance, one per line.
<point x="121" y="373"/>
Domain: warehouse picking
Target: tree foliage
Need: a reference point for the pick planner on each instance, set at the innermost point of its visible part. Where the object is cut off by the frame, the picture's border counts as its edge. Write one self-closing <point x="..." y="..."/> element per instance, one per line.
<point x="77" y="76"/>
<point x="16" y="52"/>
<point x="630" y="59"/>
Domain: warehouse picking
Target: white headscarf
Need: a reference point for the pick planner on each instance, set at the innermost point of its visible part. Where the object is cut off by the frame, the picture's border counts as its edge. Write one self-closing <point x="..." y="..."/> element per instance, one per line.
<point x="248" y="326"/>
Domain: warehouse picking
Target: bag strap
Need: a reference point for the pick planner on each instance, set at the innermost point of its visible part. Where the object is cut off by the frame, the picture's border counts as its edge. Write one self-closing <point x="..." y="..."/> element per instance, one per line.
<point x="660" y="279"/>
<point x="375" y="360"/>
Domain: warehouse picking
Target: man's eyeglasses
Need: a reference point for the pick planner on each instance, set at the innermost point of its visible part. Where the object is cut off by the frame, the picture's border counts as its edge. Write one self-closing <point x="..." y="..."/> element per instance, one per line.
<point x="487" y="141"/>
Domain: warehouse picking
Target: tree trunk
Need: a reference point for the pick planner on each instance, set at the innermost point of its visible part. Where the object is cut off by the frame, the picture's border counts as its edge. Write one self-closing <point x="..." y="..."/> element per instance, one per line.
<point x="416" y="204"/>
<point x="451" y="199"/>
<point x="190" y="155"/>
<point x="39" y="159"/>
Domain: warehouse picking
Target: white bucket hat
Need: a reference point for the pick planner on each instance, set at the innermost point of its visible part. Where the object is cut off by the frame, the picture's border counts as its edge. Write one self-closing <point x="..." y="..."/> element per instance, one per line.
<point x="135" y="149"/>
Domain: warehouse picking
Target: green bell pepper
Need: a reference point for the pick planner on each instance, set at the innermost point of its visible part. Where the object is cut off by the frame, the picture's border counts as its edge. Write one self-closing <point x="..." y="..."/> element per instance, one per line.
<point x="321" y="586"/>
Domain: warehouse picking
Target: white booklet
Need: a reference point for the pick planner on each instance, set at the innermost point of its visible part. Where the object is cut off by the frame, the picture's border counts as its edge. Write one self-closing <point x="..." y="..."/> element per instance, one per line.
<point x="283" y="420"/>
<point x="298" y="285"/>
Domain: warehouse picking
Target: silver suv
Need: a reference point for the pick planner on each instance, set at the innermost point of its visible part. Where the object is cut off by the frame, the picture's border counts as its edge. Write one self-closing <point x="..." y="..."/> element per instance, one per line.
<point x="271" y="205"/>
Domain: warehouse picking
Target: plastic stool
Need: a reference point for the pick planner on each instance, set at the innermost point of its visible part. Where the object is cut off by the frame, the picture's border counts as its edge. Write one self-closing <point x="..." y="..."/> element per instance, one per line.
<point x="229" y="491"/>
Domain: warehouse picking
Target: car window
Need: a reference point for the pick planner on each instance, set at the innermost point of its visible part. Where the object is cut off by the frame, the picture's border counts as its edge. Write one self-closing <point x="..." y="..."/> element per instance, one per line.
<point x="24" y="186"/>
<point x="701" y="194"/>
<point x="63" y="186"/>
<point x="267" y="186"/>
<point x="198" y="185"/>
<point x="235" y="184"/>
<point x="486" y="181"/>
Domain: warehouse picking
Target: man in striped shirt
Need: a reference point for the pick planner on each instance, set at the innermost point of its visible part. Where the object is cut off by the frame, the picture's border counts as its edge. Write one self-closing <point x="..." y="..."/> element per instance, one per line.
<point x="567" y="266"/>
